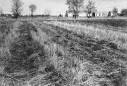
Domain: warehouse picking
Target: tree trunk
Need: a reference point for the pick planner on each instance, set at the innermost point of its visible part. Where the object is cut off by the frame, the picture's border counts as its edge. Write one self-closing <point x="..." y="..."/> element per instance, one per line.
<point x="31" y="14"/>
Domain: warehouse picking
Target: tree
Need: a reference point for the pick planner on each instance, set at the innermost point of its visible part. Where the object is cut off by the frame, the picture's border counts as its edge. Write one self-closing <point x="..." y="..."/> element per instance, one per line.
<point x="74" y="7"/>
<point x="123" y="12"/>
<point x="93" y="14"/>
<point x="109" y="14"/>
<point x="16" y="8"/>
<point x="66" y="14"/>
<point x="90" y="8"/>
<point x="60" y="15"/>
<point x="115" y="11"/>
<point x="32" y="8"/>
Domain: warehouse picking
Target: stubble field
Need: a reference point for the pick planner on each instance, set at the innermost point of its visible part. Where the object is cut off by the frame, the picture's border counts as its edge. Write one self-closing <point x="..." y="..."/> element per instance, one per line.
<point x="34" y="52"/>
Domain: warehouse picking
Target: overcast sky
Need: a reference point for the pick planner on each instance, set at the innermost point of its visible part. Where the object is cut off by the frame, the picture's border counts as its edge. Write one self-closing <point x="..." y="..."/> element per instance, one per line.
<point x="58" y="6"/>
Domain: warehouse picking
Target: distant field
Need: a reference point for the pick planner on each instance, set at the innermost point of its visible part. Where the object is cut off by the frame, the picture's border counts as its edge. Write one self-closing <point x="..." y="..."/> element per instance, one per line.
<point x="109" y="22"/>
<point x="115" y="22"/>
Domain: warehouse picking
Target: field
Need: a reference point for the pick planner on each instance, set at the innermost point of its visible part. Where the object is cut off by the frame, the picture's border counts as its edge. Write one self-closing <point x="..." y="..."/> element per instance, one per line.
<point x="40" y="52"/>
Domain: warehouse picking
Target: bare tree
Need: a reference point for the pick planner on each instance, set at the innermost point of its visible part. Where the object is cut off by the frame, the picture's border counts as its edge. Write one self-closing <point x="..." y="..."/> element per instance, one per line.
<point x="115" y="11"/>
<point x="16" y="8"/>
<point x="74" y="7"/>
<point x="90" y="8"/>
<point x="32" y="9"/>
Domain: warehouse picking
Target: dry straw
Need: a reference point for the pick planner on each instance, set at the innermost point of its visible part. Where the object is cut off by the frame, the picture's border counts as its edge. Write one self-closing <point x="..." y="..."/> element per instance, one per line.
<point x="120" y="38"/>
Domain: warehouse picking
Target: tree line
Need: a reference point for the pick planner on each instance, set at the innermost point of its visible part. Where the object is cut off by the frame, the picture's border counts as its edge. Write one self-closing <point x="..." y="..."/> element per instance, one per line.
<point x="77" y="6"/>
<point x="17" y="9"/>
<point x="74" y="7"/>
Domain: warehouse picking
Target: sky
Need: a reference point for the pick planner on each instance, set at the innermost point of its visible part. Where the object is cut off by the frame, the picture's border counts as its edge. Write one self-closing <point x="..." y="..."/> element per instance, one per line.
<point x="58" y="6"/>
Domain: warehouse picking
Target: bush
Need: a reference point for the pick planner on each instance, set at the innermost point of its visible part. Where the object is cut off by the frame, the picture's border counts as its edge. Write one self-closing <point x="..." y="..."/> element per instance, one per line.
<point x="124" y="12"/>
